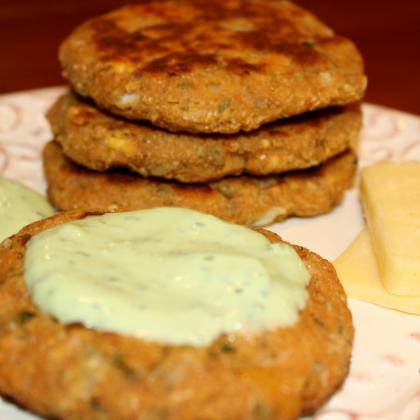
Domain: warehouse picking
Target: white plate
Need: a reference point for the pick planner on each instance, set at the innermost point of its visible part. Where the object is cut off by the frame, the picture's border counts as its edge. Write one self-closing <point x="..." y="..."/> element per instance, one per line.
<point x="384" y="381"/>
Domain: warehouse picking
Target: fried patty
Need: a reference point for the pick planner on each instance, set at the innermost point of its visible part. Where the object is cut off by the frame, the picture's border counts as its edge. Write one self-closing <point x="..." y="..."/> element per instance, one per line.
<point x="211" y="66"/>
<point x="99" y="141"/>
<point x="245" y="200"/>
<point x="73" y="372"/>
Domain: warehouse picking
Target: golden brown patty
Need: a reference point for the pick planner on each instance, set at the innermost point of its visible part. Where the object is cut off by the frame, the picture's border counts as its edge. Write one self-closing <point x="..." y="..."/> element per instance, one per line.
<point x="100" y="141"/>
<point x="244" y="200"/>
<point x="73" y="372"/>
<point x="211" y="66"/>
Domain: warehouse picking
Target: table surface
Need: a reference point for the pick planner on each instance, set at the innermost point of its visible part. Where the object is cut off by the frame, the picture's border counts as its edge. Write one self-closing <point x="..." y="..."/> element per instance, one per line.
<point x="387" y="33"/>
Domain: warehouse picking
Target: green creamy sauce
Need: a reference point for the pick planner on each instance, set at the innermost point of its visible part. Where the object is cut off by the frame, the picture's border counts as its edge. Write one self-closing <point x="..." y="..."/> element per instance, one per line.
<point x="19" y="206"/>
<point x="170" y="275"/>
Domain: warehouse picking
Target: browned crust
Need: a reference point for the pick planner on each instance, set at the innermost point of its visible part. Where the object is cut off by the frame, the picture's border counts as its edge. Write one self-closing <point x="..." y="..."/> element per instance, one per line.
<point x="99" y="141"/>
<point x="219" y="66"/>
<point x="244" y="200"/>
<point x="73" y="372"/>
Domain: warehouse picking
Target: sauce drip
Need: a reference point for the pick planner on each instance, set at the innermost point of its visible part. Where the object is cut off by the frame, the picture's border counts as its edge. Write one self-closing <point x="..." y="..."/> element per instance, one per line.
<point x="19" y="206"/>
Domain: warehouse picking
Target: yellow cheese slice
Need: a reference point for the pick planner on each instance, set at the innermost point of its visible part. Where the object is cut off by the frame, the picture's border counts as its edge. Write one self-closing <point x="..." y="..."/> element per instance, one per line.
<point x="356" y="267"/>
<point x="391" y="200"/>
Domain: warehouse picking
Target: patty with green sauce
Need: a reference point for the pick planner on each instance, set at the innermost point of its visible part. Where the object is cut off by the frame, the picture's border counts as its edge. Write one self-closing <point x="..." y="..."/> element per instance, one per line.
<point x="73" y="372"/>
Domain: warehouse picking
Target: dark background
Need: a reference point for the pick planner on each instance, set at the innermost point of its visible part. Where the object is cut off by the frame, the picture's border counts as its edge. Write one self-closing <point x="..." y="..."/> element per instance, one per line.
<point x="387" y="33"/>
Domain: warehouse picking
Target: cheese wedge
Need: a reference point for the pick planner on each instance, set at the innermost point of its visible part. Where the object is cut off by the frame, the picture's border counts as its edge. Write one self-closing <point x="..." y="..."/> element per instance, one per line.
<point x="391" y="200"/>
<point x="356" y="268"/>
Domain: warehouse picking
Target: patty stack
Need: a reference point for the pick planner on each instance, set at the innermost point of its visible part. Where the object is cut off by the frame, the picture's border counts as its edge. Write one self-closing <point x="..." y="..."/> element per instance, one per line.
<point x="246" y="109"/>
